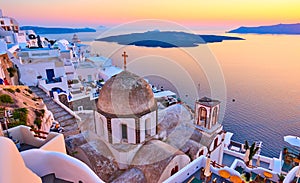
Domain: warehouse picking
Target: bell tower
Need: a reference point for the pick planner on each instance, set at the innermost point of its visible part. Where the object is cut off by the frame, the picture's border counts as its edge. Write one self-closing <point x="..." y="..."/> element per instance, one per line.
<point x="207" y="112"/>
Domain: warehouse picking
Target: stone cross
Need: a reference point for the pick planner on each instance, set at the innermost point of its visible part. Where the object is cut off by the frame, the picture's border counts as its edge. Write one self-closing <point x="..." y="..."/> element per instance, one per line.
<point x="125" y="56"/>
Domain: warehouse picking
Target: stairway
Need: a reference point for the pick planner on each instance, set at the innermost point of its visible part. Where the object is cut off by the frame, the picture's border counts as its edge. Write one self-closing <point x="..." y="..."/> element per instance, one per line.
<point x="65" y="119"/>
<point x="50" y="178"/>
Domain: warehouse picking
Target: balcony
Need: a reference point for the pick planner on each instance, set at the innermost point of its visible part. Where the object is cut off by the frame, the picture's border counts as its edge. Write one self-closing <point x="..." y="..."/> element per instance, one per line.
<point x="26" y="139"/>
<point x="54" y="80"/>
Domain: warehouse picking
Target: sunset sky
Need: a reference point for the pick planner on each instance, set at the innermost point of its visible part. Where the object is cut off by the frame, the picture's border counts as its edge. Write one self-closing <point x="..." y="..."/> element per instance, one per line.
<point x="191" y="13"/>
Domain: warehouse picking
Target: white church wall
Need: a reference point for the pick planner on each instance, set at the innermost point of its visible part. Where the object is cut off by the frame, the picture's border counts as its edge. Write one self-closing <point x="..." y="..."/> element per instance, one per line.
<point x="100" y="124"/>
<point x="142" y="130"/>
<point x="180" y="161"/>
<point x="117" y="130"/>
<point x="216" y="154"/>
<point x="152" y="117"/>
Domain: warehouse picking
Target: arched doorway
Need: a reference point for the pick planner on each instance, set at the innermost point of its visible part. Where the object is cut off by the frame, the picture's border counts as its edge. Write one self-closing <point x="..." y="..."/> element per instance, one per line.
<point x="214" y="116"/>
<point x="174" y="170"/>
<point x="202" y="116"/>
<point x="200" y="153"/>
<point x="63" y="98"/>
<point x="216" y="143"/>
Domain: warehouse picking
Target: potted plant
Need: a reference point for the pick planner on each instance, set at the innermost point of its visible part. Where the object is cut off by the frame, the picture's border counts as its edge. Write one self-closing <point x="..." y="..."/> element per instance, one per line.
<point x="280" y="178"/>
<point x="11" y="71"/>
<point x="253" y="150"/>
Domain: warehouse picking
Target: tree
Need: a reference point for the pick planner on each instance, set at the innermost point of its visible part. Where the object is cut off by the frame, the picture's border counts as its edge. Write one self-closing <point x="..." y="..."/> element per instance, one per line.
<point x="253" y="149"/>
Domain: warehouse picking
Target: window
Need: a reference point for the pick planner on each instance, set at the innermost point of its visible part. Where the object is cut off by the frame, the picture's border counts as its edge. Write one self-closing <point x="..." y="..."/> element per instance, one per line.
<point x="2" y="22"/>
<point x="124" y="131"/>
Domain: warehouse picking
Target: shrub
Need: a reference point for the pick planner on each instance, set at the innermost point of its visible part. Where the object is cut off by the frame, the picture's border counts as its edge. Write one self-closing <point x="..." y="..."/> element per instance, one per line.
<point x="38" y="123"/>
<point x="43" y="112"/>
<point x="39" y="113"/>
<point x="4" y="98"/>
<point x="21" y="114"/>
<point x="9" y="90"/>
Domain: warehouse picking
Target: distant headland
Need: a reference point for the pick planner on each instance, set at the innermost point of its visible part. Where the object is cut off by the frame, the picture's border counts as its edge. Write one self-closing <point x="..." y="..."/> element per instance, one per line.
<point x="165" y="39"/>
<point x="271" y="29"/>
<point x="56" y="30"/>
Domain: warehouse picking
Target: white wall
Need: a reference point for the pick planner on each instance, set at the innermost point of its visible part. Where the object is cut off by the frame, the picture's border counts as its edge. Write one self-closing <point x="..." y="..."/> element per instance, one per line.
<point x="179" y="160"/>
<point x="101" y="125"/>
<point x="187" y="171"/>
<point x="87" y="71"/>
<point x="29" y="72"/>
<point x="65" y="167"/>
<point x="217" y="154"/>
<point x="53" y="142"/>
<point x="3" y="46"/>
<point x="12" y="166"/>
<point x="152" y="117"/>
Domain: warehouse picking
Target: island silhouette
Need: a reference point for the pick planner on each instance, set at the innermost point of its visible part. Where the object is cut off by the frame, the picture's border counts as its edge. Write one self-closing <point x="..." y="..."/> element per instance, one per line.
<point x="165" y="39"/>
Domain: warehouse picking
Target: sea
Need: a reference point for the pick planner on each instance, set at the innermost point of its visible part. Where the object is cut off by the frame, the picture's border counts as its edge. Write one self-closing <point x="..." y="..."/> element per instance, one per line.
<point x="256" y="79"/>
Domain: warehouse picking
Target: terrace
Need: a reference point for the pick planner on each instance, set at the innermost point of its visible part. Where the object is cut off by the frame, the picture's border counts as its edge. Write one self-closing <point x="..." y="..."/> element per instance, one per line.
<point x="290" y="158"/>
<point x="25" y="138"/>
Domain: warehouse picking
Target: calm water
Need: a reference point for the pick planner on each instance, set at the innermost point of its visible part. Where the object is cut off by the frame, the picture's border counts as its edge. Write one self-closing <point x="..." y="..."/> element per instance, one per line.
<point x="261" y="73"/>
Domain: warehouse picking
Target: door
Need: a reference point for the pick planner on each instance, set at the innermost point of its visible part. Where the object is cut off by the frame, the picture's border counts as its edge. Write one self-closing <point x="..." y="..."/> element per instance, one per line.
<point x="50" y="74"/>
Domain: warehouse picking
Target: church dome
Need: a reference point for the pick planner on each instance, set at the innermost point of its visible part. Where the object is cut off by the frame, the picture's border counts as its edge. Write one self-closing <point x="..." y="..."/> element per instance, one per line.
<point x="126" y="94"/>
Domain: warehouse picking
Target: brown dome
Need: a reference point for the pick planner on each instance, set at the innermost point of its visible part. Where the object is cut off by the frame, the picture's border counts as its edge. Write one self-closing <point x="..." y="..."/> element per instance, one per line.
<point x="126" y="94"/>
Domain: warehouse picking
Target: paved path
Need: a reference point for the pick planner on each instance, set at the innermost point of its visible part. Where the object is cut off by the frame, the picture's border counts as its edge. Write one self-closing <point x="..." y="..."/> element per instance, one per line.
<point x="65" y="119"/>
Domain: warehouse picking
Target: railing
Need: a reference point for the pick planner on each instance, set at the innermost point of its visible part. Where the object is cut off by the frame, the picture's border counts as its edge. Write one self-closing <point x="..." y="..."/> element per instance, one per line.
<point x="67" y="109"/>
<point x="217" y="165"/>
<point x="38" y="133"/>
<point x="55" y="80"/>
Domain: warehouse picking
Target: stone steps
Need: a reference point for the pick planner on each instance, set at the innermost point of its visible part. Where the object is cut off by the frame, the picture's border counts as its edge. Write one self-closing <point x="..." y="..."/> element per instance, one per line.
<point x="60" y="114"/>
<point x="65" y="119"/>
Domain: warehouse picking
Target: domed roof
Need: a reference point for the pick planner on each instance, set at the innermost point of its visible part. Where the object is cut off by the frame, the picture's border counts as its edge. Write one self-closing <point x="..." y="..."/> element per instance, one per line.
<point x="126" y="94"/>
